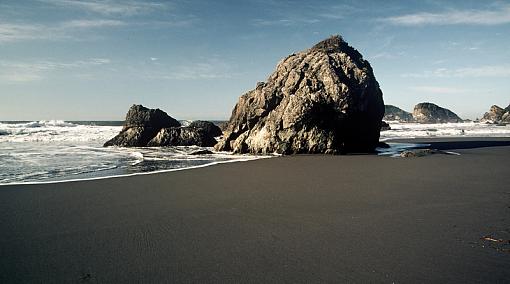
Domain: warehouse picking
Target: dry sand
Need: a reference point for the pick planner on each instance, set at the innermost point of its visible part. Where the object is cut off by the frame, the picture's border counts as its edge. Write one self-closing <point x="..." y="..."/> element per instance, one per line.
<point x="359" y="218"/>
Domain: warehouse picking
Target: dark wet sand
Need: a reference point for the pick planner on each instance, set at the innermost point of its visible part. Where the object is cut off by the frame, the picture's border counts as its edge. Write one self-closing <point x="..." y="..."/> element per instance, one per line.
<point x="340" y="219"/>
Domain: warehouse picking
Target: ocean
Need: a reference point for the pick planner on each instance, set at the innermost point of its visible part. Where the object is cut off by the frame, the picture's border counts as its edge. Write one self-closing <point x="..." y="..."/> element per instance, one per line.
<point x="47" y="151"/>
<point x="44" y="151"/>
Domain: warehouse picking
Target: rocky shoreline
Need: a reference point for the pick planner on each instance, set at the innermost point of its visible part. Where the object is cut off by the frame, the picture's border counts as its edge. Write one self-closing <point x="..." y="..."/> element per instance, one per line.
<point x="325" y="99"/>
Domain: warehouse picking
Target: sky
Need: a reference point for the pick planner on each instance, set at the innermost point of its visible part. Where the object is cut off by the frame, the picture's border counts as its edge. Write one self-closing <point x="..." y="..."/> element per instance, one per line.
<point x="91" y="59"/>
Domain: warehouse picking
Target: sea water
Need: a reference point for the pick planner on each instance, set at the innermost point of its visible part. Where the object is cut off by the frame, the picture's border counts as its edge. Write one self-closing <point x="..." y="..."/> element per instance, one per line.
<point x="40" y="151"/>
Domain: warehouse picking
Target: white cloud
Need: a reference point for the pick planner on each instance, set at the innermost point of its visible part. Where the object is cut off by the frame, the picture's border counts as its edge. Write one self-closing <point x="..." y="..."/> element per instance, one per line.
<point x="498" y="16"/>
<point x="110" y="7"/>
<point x="17" y="32"/>
<point x="81" y="24"/>
<point x="19" y="72"/>
<point x="474" y="72"/>
<point x="19" y="77"/>
<point x="13" y="32"/>
<point x="284" y="22"/>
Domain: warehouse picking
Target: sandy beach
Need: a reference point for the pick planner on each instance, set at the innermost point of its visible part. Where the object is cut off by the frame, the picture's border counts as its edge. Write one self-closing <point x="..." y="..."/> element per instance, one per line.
<point x="294" y="219"/>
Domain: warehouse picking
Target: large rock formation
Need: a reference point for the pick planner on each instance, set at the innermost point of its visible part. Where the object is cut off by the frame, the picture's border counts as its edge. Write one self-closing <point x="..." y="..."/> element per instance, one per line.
<point x="322" y="100"/>
<point x="497" y="114"/>
<point x="432" y="113"/>
<point x="153" y="127"/>
<point x="393" y="113"/>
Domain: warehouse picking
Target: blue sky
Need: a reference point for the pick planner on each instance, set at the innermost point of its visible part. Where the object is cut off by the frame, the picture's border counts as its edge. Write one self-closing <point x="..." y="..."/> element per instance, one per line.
<point x="81" y="60"/>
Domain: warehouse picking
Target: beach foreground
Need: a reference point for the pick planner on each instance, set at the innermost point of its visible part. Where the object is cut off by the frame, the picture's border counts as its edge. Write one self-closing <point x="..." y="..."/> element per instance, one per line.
<point x="320" y="218"/>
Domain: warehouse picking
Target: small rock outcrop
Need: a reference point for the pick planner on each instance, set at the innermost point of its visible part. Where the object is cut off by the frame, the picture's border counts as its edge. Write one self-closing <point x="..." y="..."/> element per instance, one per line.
<point x="393" y="113"/>
<point x="209" y="128"/>
<point x="497" y="115"/>
<point x="140" y="126"/>
<point x="153" y="127"/>
<point x="322" y="100"/>
<point x="385" y="126"/>
<point x="432" y="113"/>
<point x="202" y="134"/>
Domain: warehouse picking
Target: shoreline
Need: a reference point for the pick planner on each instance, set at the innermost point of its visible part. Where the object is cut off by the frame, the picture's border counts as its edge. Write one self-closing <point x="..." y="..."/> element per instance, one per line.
<point x="131" y="174"/>
<point x="414" y="143"/>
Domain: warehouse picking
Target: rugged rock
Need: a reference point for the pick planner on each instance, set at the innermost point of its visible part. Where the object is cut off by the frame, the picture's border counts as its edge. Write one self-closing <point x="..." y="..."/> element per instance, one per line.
<point x="140" y="116"/>
<point x="201" y="152"/>
<point x="183" y="136"/>
<point x="140" y="126"/>
<point x="497" y="114"/>
<point x="209" y="128"/>
<point x="432" y="113"/>
<point x="385" y="126"/>
<point x="393" y="113"/>
<point x="322" y="100"/>
<point x="153" y="127"/>
<point x="422" y="153"/>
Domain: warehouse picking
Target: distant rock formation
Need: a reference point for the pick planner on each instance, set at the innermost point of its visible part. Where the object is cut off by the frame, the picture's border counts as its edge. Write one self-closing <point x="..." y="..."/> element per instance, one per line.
<point x="432" y="113"/>
<point x="153" y="127"/>
<point x="497" y="115"/>
<point x="322" y="100"/>
<point x="393" y="113"/>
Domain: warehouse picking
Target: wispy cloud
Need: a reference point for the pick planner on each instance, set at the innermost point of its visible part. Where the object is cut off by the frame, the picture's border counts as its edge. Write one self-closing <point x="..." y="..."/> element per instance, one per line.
<point x="86" y="24"/>
<point x="311" y="14"/>
<point x="110" y="7"/>
<point x="207" y="69"/>
<point x="12" y="32"/>
<point x="16" y="32"/>
<point x="284" y="22"/>
<point x="439" y="90"/>
<point x="481" y="71"/>
<point x="17" y="72"/>
<point x="497" y="16"/>
<point x="74" y="29"/>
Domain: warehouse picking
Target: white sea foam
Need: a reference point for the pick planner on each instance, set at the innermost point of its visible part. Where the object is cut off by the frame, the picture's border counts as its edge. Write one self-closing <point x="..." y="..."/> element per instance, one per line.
<point x="58" y="150"/>
<point x="43" y="151"/>
<point x="468" y="129"/>
<point x="55" y="131"/>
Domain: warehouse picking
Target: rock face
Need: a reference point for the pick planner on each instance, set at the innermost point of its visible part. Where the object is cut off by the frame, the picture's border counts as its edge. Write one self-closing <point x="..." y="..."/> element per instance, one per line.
<point x="431" y="113"/>
<point x="393" y="113"/>
<point x="322" y="100"/>
<point x="201" y="133"/>
<point x="209" y="128"/>
<point x="153" y="127"/>
<point x="497" y="114"/>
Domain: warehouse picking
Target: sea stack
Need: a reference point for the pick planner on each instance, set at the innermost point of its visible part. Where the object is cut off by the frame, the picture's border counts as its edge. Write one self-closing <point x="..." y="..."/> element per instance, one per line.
<point x="155" y="128"/>
<point x="432" y="113"/>
<point x="393" y="113"/>
<point x="321" y="100"/>
<point x="497" y="114"/>
<point x="140" y="126"/>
